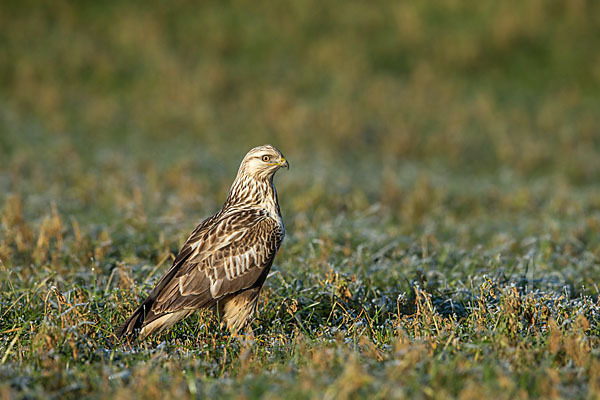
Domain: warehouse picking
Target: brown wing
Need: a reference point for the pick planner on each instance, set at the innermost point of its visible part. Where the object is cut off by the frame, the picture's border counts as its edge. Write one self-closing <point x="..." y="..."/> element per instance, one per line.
<point x="232" y="253"/>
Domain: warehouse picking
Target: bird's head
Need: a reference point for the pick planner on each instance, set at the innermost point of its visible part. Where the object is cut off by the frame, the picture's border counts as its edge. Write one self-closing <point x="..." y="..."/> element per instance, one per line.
<point x="262" y="162"/>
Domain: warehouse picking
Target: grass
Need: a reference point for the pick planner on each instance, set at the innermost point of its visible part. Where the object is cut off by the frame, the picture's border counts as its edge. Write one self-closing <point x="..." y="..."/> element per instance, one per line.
<point x="442" y="206"/>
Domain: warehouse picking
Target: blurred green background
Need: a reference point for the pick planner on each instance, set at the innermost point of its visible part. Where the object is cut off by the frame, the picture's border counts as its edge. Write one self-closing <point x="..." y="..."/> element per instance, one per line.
<point x="467" y="108"/>
<point x="449" y="111"/>
<point x="466" y="85"/>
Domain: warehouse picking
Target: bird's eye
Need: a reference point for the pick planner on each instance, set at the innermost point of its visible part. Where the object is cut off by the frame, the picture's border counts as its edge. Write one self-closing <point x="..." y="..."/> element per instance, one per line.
<point x="266" y="158"/>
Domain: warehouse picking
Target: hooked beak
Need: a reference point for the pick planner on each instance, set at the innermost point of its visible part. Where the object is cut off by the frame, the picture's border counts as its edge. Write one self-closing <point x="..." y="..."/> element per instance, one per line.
<point x="284" y="163"/>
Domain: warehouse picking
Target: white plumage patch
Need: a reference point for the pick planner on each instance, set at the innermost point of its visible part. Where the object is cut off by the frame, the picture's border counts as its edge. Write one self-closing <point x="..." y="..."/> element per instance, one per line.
<point x="215" y="286"/>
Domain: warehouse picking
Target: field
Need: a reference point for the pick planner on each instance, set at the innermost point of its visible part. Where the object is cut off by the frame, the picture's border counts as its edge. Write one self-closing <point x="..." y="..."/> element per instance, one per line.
<point x="442" y="205"/>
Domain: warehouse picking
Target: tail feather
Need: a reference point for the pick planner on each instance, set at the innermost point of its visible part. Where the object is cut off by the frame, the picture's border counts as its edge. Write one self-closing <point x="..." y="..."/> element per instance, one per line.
<point x="134" y="324"/>
<point x="144" y="322"/>
<point x="162" y="322"/>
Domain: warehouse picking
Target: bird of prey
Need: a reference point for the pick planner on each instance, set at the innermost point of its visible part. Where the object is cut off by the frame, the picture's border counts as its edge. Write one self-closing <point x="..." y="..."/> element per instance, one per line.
<point x="225" y="261"/>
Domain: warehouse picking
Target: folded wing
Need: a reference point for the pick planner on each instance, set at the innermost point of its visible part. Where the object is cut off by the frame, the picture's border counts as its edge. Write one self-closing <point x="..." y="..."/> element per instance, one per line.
<point x="224" y="255"/>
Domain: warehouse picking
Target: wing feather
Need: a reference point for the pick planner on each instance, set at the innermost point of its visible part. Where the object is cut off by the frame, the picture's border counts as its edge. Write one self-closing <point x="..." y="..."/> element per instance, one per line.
<point x="230" y="254"/>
